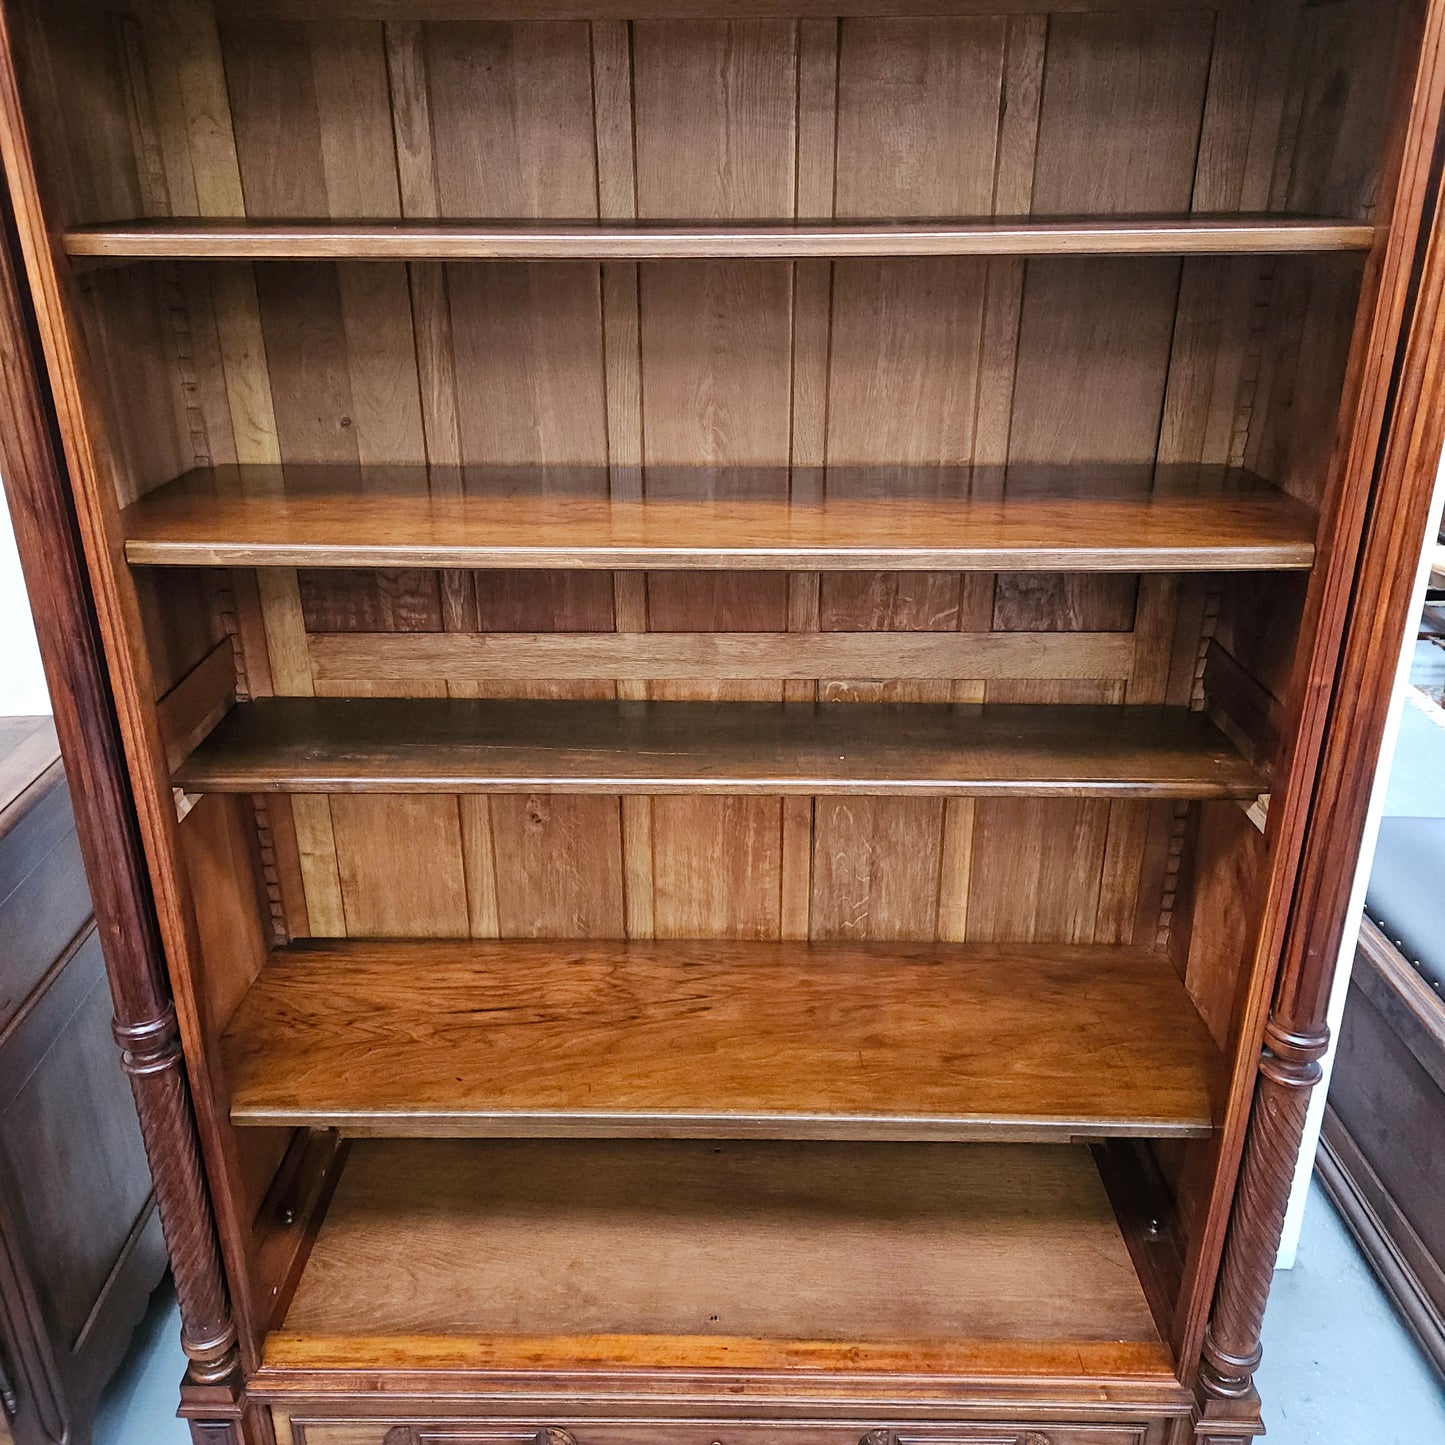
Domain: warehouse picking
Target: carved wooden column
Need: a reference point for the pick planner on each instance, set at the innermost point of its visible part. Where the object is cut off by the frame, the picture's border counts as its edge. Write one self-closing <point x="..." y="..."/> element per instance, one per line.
<point x="1288" y="1070"/>
<point x="1381" y="593"/>
<point x="145" y="1023"/>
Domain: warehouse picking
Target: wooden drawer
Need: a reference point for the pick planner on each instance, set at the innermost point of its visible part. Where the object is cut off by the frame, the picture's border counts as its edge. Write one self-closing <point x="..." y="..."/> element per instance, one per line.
<point x="307" y="1429"/>
<point x="44" y="898"/>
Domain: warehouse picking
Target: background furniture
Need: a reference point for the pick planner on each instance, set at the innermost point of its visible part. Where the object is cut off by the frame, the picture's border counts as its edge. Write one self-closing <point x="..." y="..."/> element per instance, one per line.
<point x="80" y="1240"/>
<point x="743" y="652"/>
<point x="1379" y="1154"/>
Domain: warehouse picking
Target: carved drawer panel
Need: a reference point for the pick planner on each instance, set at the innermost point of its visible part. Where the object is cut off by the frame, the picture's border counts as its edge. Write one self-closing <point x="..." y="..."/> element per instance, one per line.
<point x="314" y="1430"/>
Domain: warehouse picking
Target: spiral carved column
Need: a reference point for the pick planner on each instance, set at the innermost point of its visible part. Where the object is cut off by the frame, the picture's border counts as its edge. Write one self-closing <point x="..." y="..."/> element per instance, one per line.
<point x="1289" y="1068"/>
<point x="151" y="1056"/>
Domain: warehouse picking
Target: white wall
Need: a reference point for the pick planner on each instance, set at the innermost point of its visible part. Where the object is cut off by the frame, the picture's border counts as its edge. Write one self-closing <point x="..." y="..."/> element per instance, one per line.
<point x="22" y="684"/>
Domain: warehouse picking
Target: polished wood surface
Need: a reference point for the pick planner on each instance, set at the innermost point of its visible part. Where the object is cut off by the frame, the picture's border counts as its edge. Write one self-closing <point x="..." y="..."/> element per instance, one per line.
<point x="54" y="481"/>
<point x="1081" y="519"/>
<point x="257" y="240"/>
<point x="778" y="1241"/>
<point x="1024" y="1377"/>
<point x="645" y="464"/>
<point x="418" y="745"/>
<point x="312" y="1427"/>
<point x="715" y="1039"/>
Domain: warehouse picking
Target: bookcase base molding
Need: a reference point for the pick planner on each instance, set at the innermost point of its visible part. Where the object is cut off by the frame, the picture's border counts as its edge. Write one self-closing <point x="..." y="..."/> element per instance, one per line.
<point x="721" y="665"/>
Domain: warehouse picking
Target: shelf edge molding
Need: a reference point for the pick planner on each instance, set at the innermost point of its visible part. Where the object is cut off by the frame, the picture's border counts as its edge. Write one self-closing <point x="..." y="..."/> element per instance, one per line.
<point x="861" y="749"/>
<point x="245" y="239"/>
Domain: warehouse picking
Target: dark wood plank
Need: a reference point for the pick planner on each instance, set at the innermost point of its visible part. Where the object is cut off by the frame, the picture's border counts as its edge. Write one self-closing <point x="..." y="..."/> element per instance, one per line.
<point x="410" y="745"/>
<point x="257" y="240"/>
<point x="775" y="1241"/>
<point x="1076" y="518"/>
<point x="684" y="1039"/>
<point x="662" y="9"/>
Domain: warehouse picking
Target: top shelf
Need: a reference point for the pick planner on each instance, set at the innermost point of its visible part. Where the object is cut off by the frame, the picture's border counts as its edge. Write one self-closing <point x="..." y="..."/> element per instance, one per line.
<point x="261" y="240"/>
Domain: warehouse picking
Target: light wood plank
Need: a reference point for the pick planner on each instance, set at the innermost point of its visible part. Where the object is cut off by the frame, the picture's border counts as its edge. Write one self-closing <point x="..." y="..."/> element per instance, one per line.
<point x="923" y="1041"/>
<point x="807" y="656"/>
<point x="408" y="745"/>
<point x="764" y="1241"/>
<point x="519" y="241"/>
<point x="1066" y="518"/>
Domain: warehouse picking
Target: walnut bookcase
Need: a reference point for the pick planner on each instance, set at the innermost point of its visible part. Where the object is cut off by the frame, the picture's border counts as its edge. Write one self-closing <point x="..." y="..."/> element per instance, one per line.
<point x="719" y="659"/>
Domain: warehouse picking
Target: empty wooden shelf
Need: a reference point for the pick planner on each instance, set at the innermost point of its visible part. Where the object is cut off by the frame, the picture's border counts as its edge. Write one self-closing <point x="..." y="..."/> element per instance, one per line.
<point x="819" y="575"/>
<point x="519" y="241"/>
<point x="767" y="1255"/>
<point x="419" y="745"/>
<point x="1085" y="518"/>
<point x="707" y="1039"/>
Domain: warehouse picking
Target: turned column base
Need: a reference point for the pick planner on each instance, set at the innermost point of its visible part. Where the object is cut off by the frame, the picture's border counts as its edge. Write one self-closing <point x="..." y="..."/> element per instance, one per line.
<point x="1230" y="1422"/>
<point x="220" y="1415"/>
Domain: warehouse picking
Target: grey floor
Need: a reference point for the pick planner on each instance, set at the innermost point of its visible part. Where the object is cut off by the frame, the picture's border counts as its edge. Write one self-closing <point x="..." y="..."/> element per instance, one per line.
<point x="1339" y="1368"/>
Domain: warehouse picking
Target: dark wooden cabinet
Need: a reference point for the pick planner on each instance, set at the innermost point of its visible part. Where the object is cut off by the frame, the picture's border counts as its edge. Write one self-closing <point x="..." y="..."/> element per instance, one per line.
<point x="726" y="656"/>
<point x="80" y="1239"/>
<point x="1377" y="1153"/>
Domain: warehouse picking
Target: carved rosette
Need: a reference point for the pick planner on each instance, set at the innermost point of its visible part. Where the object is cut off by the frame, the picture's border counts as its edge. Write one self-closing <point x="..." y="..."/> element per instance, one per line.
<point x="1289" y="1068"/>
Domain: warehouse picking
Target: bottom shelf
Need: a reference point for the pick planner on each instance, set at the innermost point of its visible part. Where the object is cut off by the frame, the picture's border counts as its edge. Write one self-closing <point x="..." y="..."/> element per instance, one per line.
<point x="536" y="1254"/>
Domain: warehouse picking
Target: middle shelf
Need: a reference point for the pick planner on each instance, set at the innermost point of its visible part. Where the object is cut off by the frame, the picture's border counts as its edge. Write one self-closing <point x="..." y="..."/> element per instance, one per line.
<point x="436" y="745"/>
<point x="1089" y="517"/>
<point x="702" y="1039"/>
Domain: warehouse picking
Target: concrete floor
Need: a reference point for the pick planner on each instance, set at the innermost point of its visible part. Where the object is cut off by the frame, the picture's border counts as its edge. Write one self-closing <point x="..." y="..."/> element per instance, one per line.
<point x="1339" y="1368"/>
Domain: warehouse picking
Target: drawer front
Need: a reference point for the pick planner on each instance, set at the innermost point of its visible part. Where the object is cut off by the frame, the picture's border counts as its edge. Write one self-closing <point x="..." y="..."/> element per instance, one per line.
<point x="306" y="1429"/>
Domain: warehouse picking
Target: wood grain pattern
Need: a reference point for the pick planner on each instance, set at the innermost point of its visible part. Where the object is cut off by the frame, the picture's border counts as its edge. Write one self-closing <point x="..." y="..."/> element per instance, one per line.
<point x="887" y="357"/>
<point x="498" y="656"/>
<point x="683" y="1039"/>
<point x="1076" y="519"/>
<point x="1141" y="1372"/>
<point x="95" y="695"/>
<point x="688" y="1238"/>
<point x="643" y="241"/>
<point x="665" y="9"/>
<point x="197" y="702"/>
<point x="379" y="745"/>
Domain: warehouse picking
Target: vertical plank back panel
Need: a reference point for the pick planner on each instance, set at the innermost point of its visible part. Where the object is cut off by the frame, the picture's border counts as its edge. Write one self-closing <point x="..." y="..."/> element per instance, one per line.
<point x="716" y="125"/>
<point x="742" y="379"/>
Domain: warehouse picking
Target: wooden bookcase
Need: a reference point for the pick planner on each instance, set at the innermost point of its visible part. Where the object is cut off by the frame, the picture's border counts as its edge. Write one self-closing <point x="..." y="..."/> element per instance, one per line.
<point x="719" y="658"/>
